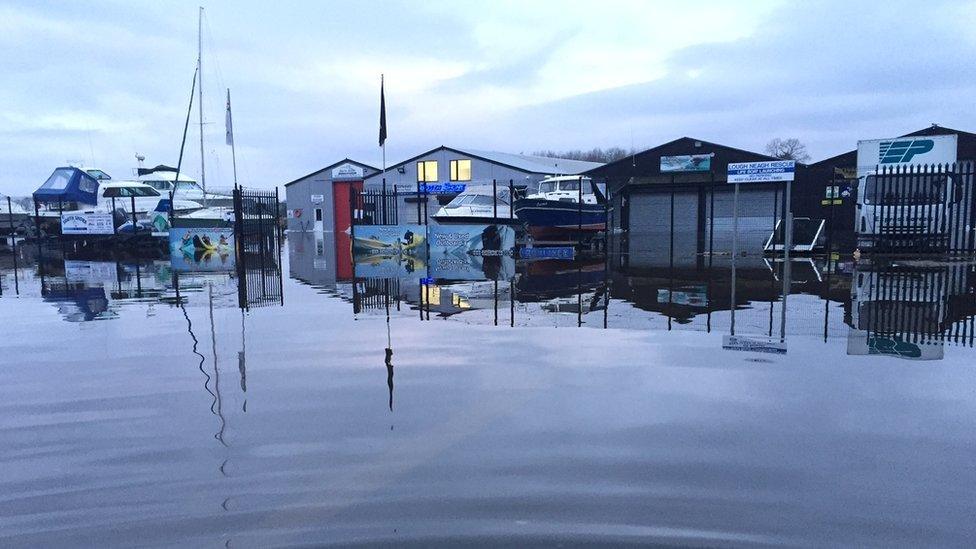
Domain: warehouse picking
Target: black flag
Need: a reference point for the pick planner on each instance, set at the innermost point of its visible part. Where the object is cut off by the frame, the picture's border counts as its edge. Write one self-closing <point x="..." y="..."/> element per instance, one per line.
<point x="382" y="114"/>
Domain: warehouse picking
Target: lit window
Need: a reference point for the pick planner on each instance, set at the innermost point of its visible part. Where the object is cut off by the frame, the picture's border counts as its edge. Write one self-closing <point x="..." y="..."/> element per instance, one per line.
<point x="460" y="170"/>
<point x="427" y="171"/>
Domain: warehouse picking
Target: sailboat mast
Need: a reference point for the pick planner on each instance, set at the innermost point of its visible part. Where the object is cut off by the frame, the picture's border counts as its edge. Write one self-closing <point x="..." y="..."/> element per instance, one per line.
<point x="203" y="173"/>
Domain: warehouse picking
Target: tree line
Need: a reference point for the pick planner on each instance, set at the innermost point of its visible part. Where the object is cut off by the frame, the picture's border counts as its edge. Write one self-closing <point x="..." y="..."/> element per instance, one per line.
<point x="789" y="148"/>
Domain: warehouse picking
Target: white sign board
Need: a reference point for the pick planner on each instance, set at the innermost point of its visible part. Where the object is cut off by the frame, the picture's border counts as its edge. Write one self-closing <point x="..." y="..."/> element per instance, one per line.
<point x="318" y="198"/>
<point x="756" y="344"/>
<point x="86" y="223"/>
<point x="905" y="151"/>
<point x="347" y="171"/>
<point x="761" y="172"/>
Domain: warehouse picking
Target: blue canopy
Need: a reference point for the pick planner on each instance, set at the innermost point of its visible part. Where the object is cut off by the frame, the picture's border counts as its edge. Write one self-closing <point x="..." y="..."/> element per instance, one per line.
<point x="68" y="185"/>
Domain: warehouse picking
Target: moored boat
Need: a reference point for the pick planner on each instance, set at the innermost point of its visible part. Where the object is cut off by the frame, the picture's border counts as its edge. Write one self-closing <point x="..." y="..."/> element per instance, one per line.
<point x="557" y="212"/>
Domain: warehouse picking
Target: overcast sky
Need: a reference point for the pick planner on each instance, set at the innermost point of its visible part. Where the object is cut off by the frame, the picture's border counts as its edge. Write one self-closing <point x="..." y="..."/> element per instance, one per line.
<point x="97" y="84"/>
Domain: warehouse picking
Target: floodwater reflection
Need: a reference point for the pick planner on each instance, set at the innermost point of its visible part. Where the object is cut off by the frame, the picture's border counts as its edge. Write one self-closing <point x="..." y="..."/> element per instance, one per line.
<point x="589" y="400"/>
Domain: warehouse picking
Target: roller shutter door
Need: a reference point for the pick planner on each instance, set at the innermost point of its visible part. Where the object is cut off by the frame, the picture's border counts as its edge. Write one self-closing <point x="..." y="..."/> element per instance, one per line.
<point x="756" y="218"/>
<point x="650" y="229"/>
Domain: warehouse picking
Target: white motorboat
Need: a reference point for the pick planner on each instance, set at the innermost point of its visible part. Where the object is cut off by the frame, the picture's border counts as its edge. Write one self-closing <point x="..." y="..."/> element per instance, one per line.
<point x="476" y="205"/>
<point x="164" y="180"/>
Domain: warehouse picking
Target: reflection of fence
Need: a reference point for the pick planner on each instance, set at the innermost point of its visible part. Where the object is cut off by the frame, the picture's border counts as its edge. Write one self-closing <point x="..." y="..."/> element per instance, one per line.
<point x="918" y="208"/>
<point x="257" y="232"/>
<point x="372" y="207"/>
<point x="375" y="293"/>
<point x="917" y="305"/>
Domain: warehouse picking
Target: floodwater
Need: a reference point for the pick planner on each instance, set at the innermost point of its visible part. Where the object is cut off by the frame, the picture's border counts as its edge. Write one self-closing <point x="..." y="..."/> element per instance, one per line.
<point x="141" y="406"/>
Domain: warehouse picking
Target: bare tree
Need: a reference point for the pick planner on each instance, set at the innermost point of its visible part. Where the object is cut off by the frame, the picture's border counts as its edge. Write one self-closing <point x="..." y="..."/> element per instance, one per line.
<point x="787" y="149"/>
<point x="596" y="154"/>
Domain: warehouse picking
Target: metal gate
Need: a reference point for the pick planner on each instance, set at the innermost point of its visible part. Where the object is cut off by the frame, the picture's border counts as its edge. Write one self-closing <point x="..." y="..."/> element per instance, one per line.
<point x="371" y="207"/>
<point x="258" y="236"/>
<point x="925" y="208"/>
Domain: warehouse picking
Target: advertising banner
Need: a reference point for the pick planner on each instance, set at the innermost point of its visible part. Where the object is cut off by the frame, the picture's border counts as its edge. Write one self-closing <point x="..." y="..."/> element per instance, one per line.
<point x="390" y="251"/>
<point x="86" y="223"/>
<point x="761" y="172"/>
<point x="201" y="249"/>
<point x="472" y="252"/>
<point x="686" y="163"/>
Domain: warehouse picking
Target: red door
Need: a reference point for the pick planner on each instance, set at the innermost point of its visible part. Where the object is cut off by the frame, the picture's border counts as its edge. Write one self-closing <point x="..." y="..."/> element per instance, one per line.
<point x="341" y="191"/>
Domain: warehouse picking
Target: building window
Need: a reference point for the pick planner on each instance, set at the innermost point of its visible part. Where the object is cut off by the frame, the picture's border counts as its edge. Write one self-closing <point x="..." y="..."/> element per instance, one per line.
<point x="427" y="171"/>
<point x="460" y="170"/>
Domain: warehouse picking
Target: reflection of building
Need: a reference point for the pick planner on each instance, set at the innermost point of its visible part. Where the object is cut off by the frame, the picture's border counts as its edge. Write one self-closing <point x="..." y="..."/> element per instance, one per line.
<point x="911" y="310"/>
<point x="312" y="259"/>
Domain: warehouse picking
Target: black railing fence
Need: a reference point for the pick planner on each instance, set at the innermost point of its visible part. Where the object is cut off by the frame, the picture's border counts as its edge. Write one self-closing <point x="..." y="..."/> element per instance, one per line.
<point x="923" y="208"/>
<point x="258" y="236"/>
<point x="375" y="207"/>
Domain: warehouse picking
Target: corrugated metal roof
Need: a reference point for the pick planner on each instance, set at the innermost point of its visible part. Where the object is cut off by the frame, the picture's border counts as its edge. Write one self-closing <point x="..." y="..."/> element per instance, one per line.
<point x="535" y="164"/>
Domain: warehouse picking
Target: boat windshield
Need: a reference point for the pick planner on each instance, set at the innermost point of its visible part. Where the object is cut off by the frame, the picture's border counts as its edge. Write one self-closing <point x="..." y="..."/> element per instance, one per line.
<point x="158" y="185"/>
<point x="99" y="174"/>
<point x="547" y="186"/>
<point x="477" y="200"/>
<point x="112" y="192"/>
<point x="188" y="186"/>
<point x="569" y="185"/>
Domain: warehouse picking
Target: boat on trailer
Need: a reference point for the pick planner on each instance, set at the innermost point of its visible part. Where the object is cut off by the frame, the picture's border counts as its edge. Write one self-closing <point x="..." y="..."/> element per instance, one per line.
<point x="565" y="206"/>
<point x="476" y="205"/>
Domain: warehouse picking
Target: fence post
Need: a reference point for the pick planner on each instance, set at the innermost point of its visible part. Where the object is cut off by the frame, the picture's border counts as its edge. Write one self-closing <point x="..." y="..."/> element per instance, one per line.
<point x="134" y="223"/>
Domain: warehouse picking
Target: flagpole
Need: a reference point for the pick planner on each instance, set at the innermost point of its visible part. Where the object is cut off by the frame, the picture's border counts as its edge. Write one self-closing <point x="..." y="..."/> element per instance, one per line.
<point x="230" y="136"/>
<point x="384" y="143"/>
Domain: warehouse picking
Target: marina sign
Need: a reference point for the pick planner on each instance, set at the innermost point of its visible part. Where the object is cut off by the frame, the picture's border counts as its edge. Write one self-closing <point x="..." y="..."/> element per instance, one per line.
<point x="442" y="188"/>
<point x="87" y="223"/>
<point x="761" y="172"/>
<point x="686" y="163"/>
<point x="756" y="344"/>
<point x="347" y="171"/>
<point x="553" y="252"/>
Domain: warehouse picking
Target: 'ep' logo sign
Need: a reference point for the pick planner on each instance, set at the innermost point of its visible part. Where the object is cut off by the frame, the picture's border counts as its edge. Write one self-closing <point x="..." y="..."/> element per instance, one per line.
<point x="896" y="152"/>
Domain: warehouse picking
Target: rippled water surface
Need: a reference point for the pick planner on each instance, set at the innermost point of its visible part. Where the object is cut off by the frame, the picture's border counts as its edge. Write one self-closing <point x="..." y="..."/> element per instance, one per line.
<point x="135" y="414"/>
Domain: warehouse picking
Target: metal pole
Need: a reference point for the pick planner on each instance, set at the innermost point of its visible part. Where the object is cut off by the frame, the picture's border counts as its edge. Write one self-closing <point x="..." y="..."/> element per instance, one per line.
<point x="134" y="226"/>
<point x="511" y="199"/>
<point x="735" y="247"/>
<point x="203" y="173"/>
<point x="579" y="216"/>
<point x="494" y="200"/>
<point x="115" y="230"/>
<point x="787" y="244"/>
<point x="233" y="153"/>
<point x="383" y="217"/>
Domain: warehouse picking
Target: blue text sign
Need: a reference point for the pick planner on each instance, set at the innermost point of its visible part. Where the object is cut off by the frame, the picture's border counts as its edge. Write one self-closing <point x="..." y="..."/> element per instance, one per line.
<point x="760" y="172"/>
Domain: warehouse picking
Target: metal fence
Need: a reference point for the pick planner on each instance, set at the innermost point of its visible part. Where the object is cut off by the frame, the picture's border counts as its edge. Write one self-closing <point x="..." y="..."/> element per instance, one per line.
<point x="258" y="235"/>
<point x="372" y="207"/>
<point x="917" y="209"/>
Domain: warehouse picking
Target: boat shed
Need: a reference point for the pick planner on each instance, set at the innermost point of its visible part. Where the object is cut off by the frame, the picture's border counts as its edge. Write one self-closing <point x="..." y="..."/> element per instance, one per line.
<point x="446" y="171"/>
<point x="319" y="201"/>
<point x="674" y="204"/>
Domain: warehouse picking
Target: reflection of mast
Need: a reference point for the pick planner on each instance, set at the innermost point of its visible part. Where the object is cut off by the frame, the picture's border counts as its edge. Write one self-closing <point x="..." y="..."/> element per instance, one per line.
<point x="241" y="363"/>
<point x="196" y="343"/>
<point x="215" y="407"/>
